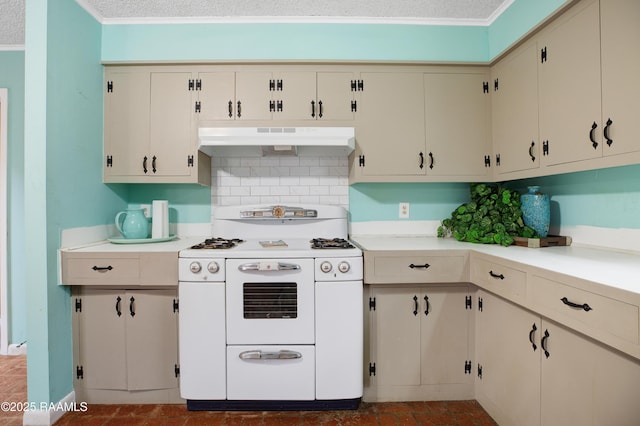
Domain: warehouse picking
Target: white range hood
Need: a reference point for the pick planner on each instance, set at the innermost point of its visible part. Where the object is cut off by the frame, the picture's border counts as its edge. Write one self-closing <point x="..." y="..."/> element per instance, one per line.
<point x="275" y="140"/>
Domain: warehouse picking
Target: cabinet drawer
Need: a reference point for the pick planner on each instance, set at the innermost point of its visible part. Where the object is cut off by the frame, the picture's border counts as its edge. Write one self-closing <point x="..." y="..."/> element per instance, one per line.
<point x="499" y="279"/>
<point x="414" y="267"/>
<point x="595" y="312"/>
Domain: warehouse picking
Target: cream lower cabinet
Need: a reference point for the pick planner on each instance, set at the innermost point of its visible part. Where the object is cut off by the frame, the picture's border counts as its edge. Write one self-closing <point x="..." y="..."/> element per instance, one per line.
<point x="419" y="343"/>
<point x="126" y="342"/>
<point x="534" y="371"/>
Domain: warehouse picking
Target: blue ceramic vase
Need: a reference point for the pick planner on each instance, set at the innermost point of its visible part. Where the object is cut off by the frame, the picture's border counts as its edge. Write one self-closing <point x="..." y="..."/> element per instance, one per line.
<point x="536" y="211"/>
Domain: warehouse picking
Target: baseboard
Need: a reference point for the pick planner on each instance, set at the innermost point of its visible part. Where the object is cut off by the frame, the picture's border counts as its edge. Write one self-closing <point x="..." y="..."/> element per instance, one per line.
<point x="20" y="349"/>
<point x="47" y="414"/>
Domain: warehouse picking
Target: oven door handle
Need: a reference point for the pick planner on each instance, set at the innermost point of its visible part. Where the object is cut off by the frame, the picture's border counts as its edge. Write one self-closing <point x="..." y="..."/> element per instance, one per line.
<point x="268" y="266"/>
<point x="257" y="354"/>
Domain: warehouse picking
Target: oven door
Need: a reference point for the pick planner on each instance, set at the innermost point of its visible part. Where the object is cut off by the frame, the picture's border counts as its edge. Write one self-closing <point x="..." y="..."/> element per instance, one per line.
<point x="270" y="301"/>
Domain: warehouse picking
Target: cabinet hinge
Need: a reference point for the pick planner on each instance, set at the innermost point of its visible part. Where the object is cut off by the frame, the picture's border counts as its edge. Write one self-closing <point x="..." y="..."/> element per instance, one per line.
<point x="372" y="303"/>
<point x="109" y="86"/>
<point x="480" y="371"/>
<point x="198" y="106"/>
<point x="480" y="304"/>
<point x="279" y="106"/>
<point x="372" y="369"/>
<point x="545" y="147"/>
<point x="79" y="372"/>
<point x="78" y="305"/>
<point x="487" y="161"/>
<point x="192" y="84"/>
<point x="109" y="161"/>
<point x="361" y="161"/>
<point x="467" y="367"/>
<point x="543" y="55"/>
<point x="357" y="85"/>
<point x="275" y="85"/>
<point x="272" y="106"/>
<point x="467" y="302"/>
<point x="279" y="85"/>
<point x="176" y="370"/>
<point x="198" y="84"/>
<point x="485" y="87"/>
<point x="176" y="305"/>
<point x="189" y="160"/>
<point x="497" y="160"/>
<point x="495" y="85"/>
<point x="354" y="106"/>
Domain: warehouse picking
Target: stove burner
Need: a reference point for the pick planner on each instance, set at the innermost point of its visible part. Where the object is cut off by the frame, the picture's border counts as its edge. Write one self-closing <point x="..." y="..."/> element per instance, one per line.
<point x="335" y="243"/>
<point x="217" y="243"/>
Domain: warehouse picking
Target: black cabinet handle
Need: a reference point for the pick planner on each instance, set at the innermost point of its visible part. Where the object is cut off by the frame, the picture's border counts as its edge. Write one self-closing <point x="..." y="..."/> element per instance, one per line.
<point x="131" y="310"/>
<point x="532" y="336"/>
<point x="102" y="268"/>
<point x="313" y="109"/>
<point x="239" y="109"/>
<point x="425" y="266"/>
<point x="230" y="109"/>
<point x="606" y="132"/>
<point x="494" y="275"/>
<point x="592" y="137"/>
<point x="426" y="305"/>
<point x="118" y="311"/>
<point x="144" y="164"/>
<point x="153" y="164"/>
<point x="583" y="306"/>
<point x="415" y="304"/>
<point x="543" y="343"/>
<point x="533" y="157"/>
<point x="431" y="160"/>
<point x="319" y="109"/>
<point x="421" y="160"/>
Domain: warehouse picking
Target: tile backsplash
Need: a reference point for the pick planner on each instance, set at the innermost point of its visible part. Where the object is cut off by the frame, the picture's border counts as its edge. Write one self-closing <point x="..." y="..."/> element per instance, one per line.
<point x="311" y="178"/>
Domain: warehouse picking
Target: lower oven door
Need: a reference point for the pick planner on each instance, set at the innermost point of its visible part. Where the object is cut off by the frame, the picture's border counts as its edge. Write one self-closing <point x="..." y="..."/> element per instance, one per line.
<point x="270" y="301"/>
<point x="273" y="372"/>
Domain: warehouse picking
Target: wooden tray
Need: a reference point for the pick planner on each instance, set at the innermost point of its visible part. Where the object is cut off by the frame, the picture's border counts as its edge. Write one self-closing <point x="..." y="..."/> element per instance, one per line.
<point x="549" y="241"/>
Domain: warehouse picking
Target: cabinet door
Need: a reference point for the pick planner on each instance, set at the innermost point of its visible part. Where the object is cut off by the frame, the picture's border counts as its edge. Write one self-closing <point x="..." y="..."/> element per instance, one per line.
<point x="569" y="86"/>
<point x="152" y="339"/>
<point x="102" y="337"/>
<point x="514" y="89"/>
<point x="253" y="95"/>
<point x="171" y="140"/>
<point x="457" y="125"/>
<point x="334" y="91"/>
<point x="297" y="94"/>
<point x="620" y="38"/>
<point x="508" y="351"/>
<point x="217" y="95"/>
<point x="444" y="334"/>
<point x="126" y="123"/>
<point x="390" y="125"/>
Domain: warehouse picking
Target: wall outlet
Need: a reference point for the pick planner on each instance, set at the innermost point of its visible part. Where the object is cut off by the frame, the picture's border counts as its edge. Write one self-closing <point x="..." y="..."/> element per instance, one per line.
<point x="147" y="210"/>
<point x="403" y="212"/>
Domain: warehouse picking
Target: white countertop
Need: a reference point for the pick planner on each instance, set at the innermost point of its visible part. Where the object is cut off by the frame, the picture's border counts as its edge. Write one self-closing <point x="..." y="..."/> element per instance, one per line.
<point x="180" y="243"/>
<point x="607" y="267"/>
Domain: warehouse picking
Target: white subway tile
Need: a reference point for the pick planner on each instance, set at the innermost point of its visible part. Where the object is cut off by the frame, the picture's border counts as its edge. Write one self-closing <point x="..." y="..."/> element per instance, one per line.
<point x="318" y="171"/>
<point x="338" y="190"/>
<point x="240" y="190"/>
<point x="289" y="161"/>
<point x="319" y="190"/>
<point x="309" y="180"/>
<point x="240" y="171"/>
<point x="290" y="180"/>
<point x="299" y="190"/>
<point x="309" y="161"/>
<point x="259" y="190"/>
<point x="269" y="181"/>
<point x="279" y="190"/>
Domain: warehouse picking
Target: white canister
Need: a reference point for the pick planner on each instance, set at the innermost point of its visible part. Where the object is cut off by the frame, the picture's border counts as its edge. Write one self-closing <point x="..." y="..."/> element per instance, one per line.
<point x="160" y="219"/>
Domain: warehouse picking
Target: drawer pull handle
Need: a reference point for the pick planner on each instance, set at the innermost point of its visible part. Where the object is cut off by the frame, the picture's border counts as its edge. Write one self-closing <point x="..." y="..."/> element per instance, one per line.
<point x="425" y="266"/>
<point x="426" y="305"/>
<point x="494" y="275"/>
<point x="131" y="307"/>
<point x="257" y="354"/>
<point x="102" y="268"/>
<point x="543" y="343"/>
<point x="532" y="336"/>
<point x="583" y="306"/>
<point x="415" y="305"/>
<point x="118" y="311"/>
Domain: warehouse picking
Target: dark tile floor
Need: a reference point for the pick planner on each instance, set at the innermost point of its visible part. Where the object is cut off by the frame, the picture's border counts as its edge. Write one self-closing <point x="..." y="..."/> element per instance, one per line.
<point x="13" y="388"/>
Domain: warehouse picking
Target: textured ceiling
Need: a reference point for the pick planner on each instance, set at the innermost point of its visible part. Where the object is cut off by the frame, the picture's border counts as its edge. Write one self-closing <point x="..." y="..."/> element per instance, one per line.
<point x="463" y="12"/>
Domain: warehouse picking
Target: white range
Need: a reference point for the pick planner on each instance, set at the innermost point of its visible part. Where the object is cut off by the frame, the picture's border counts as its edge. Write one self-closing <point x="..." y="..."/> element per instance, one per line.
<point x="271" y="312"/>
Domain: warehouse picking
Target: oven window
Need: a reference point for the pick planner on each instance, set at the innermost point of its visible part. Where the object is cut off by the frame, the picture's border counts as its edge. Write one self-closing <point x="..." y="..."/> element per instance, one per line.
<point x="270" y="300"/>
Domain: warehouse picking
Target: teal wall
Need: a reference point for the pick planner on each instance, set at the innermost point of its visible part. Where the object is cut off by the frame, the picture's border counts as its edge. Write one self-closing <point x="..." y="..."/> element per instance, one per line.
<point x="12" y="78"/>
<point x="187" y="203"/>
<point x="63" y="183"/>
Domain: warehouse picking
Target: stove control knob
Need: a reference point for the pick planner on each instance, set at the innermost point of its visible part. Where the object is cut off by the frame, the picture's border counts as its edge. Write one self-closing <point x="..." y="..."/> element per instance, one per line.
<point x="213" y="267"/>
<point x="325" y="266"/>
<point x="195" y="267"/>
<point x="344" y="267"/>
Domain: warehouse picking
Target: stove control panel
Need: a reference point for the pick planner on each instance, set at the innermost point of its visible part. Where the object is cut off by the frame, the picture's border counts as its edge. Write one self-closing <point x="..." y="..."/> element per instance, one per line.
<point x="338" y="269"/>
<point x="199" y="270"/>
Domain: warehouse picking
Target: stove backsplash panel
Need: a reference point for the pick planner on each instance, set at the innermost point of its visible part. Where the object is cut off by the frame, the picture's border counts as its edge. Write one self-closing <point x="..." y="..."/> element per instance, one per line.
<point x="289" y="180"/>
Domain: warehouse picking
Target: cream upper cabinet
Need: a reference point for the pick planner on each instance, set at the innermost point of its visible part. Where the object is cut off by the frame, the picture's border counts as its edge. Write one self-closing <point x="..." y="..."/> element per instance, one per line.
<point x="620" y="41"/>
<point x="514" y="91"/>
<point x="148" y="129"/>
<point x="569" y="86"/>
<point x="390" y="129"/>
<point x="457" y="125"/>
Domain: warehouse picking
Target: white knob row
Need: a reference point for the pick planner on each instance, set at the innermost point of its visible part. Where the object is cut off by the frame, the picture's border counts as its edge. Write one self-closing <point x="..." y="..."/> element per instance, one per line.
<point x="196" y="267"/>
<point x="343" y="267"/>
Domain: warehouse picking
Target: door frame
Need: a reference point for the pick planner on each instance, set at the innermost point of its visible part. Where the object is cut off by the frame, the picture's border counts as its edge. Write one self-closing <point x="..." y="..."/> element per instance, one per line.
<point x="4" y="293"/>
